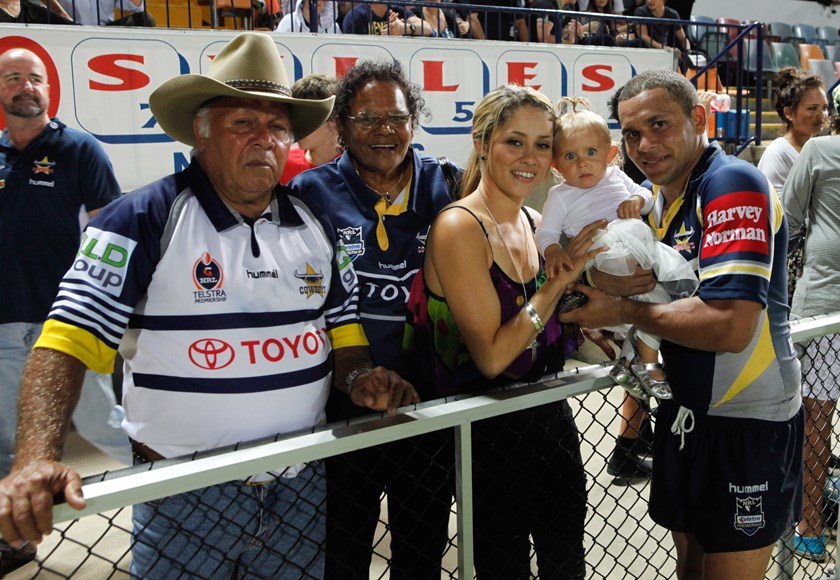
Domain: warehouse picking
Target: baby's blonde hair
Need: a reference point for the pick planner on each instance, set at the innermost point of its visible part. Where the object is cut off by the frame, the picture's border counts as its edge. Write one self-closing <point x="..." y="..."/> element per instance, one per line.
<point x="575" y="113"/>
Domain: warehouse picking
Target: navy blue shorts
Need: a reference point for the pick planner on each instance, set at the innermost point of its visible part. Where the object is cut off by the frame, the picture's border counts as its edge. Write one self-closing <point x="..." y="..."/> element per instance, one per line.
<point x="737" y="483"/>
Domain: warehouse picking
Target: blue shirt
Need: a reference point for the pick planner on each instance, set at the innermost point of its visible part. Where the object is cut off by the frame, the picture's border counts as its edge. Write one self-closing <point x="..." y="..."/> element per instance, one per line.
<point x="42" y="190"/>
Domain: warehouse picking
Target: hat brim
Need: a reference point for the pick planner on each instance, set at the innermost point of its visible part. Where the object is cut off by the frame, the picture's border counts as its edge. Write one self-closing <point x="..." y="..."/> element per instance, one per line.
<point x="175" y="103"/>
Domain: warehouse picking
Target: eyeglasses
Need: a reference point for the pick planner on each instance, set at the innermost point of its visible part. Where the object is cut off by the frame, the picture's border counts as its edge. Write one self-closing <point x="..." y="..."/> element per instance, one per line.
<point x="369" y="120"/>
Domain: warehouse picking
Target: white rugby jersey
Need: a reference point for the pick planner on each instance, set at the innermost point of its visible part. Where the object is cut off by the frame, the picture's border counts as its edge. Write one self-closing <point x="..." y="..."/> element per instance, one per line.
<point x="225" y="327"/>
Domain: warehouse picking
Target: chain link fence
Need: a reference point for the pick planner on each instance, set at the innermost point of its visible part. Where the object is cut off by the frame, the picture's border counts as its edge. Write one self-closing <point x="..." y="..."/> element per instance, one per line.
<point x="619" y="539"/>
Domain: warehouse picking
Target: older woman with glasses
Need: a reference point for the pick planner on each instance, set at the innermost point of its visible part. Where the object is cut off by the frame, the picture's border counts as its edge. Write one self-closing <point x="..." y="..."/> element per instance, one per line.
<point x="382" y="195"/>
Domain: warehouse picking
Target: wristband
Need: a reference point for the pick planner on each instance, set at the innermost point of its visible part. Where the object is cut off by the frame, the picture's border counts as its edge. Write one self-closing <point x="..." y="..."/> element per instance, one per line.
<point x="535" y="317"/>
<point x="353" y="375"/>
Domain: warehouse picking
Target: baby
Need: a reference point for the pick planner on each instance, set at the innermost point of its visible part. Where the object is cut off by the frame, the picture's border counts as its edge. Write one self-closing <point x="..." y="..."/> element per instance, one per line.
<point x="595" y="188"/>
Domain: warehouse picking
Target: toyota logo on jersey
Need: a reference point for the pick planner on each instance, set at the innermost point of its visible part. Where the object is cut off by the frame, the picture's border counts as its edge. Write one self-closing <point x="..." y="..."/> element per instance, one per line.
<point x="211" y="354"/>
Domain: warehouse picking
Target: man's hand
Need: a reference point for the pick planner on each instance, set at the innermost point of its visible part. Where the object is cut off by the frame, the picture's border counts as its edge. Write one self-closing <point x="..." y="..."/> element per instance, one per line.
<point x="26" y="500"/>
<point x="640" y="282"/>
<point x="599" y="311"/>
<point x="382" y="390"/>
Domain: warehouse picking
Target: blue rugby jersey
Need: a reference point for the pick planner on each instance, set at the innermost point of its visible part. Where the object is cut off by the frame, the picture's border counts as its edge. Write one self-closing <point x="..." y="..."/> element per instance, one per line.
<point x="385" y="275"/>
<point x="730" y="225"/>
<point x="225" y="327"/>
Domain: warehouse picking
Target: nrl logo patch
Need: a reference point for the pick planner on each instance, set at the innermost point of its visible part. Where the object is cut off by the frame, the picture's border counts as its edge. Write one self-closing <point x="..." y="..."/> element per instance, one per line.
<point x="351" y="240"/>
<point x="749" y="515"/>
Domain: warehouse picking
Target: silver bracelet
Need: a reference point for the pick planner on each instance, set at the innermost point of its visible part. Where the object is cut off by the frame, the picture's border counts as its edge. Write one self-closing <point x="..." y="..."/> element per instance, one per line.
<point x="353" y="375"/>
<point x="535" y="317"/>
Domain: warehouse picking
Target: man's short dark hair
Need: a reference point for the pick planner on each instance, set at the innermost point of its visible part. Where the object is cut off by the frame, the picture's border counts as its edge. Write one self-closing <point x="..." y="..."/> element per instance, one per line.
<point x="676" y="85"/>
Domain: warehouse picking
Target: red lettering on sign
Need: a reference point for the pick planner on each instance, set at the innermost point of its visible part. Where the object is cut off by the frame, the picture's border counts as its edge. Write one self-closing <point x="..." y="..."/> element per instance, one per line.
<point x="433" y="77"/>
<point x="593" y="73"/>
<point x="517" y="74"/>
<point x="126" y="79"/>
<point x="343" y="64"/>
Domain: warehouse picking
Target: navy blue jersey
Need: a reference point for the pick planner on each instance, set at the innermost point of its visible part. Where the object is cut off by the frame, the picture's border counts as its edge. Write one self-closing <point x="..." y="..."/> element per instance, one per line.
<point x="385" y="275"/>
<point x="730" y="225"/>
<point x="42" y="190"/>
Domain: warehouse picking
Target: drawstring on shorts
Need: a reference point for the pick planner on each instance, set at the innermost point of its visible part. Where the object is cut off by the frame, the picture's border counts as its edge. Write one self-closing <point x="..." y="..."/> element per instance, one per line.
<point x="681" y="424"/>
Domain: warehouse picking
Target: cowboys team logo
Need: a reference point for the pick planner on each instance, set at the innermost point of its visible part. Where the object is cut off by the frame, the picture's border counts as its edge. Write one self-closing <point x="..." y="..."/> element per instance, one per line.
<point x="313" y="282"/>
<point x="43" y="166"/>
<point x="749" y="515"/>
<point x="351" y="240"/>
<point x="682" y="240"/>
<point x="208" y="277"/>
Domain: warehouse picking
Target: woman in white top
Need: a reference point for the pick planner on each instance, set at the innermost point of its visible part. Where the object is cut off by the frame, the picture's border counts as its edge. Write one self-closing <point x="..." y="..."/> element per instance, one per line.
<point x="803" y="107"/>
<point x="298" y="21"/>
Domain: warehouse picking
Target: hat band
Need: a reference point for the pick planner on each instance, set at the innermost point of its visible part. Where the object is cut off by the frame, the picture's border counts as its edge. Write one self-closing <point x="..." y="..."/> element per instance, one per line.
<point x="259" y="85"/>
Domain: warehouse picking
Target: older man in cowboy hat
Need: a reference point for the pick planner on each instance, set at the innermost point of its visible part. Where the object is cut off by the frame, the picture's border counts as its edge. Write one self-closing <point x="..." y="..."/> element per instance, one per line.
<point x="229" y="299"/>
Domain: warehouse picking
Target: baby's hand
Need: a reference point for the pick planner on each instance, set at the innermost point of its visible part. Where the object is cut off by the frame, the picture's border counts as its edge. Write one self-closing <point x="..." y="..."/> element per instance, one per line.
<point x="557" y="260"/>
<point x="631" y="208"/>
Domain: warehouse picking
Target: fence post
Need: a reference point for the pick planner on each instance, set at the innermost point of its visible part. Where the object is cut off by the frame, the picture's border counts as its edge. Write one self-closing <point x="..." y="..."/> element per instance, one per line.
<point x="464" y="499"/>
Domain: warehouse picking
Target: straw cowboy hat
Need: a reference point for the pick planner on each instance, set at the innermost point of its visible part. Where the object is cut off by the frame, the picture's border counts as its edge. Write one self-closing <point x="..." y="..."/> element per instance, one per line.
<point x="248" y="67"/>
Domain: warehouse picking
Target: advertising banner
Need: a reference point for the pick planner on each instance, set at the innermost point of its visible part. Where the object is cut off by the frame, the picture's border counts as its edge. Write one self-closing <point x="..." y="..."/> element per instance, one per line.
<point x="101" y="78"/>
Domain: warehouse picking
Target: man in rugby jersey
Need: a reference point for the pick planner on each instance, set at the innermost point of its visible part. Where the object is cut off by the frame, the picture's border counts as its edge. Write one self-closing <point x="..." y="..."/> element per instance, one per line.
<point x="728" y="470"/>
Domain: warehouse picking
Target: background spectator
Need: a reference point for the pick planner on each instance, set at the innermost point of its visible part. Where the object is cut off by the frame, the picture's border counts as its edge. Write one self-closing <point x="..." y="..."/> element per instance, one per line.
<point x="27" y="12"/>
<point x="661" y="35"/>
<point x="498" y="25"/>
<point x="102" y="12"/>
<point x="322" y="145"/>
<point x="298" y="20"/>
<point x="383" y="19"/>
<point x="49" y="173"/>
<point x="812" y="194"/>
<point x="800" y="101"/>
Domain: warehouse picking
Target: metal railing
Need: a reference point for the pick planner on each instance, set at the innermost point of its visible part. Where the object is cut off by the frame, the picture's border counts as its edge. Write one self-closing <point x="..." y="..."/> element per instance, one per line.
<point x="620" y="540"/>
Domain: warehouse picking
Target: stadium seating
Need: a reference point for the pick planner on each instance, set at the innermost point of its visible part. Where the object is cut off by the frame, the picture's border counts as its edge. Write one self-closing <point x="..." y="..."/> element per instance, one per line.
<point x="832" y="52"/>
<point x="781" y="29"/>
<point x="808" y="52"/>
<point x="828" y="34"/>
<point x="696" y="32"/>
<point x="824" y="69"/>
<point x="785" y="54"/>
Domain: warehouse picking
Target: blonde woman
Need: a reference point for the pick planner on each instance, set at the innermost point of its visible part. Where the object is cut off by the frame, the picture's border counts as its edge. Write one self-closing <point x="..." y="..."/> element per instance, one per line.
<point x="483" y="317"/>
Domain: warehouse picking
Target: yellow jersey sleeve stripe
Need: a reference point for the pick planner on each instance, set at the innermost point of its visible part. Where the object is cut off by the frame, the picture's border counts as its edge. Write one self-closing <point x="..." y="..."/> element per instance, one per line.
<point x="762" y="357"/>
<point x="348" y="335"/>
<point x="778" y="210"/>
<point x="78" y="343"/>
<point x="754" y="268"/>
